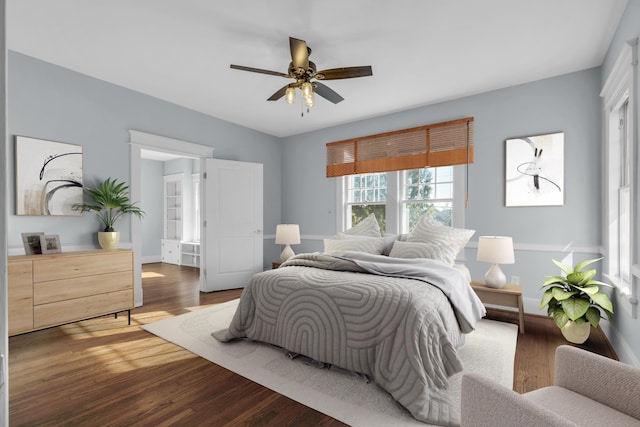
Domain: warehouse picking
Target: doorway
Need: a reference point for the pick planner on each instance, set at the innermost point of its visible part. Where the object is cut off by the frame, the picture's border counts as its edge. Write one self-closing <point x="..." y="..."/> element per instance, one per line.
<point x="162" y="147"/>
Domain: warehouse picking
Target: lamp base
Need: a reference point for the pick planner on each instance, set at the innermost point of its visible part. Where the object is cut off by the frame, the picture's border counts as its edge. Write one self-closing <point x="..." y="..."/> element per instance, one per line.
<point x="495" y="278"/>
<point x="287" y="253"/>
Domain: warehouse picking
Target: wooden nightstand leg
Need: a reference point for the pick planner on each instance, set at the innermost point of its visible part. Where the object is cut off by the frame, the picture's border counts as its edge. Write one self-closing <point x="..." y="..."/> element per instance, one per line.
<point x="521" y="313"/>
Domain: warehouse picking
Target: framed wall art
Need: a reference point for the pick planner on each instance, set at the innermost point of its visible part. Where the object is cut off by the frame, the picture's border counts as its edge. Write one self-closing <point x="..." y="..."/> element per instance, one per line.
<point x="48" y="177"/>
<point x="535" y="170"/>
<point x="52" y="244"/>
<point x="33" y="243"/>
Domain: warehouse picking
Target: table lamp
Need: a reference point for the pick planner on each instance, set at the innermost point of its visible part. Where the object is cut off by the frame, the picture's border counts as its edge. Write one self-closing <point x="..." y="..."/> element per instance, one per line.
<point x="495" y="250"/>
<point x="287" y="234"/>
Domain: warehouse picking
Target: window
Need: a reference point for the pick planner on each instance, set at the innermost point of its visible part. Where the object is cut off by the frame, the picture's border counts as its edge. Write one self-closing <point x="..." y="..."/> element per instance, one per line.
<point x="624" y="197"/>
<point x="427" y="191"/>
<point x="620" y="169"/>
<point x="619" y="193"/>
<point x="366" y="194"/>
<point x="400" y="198"/>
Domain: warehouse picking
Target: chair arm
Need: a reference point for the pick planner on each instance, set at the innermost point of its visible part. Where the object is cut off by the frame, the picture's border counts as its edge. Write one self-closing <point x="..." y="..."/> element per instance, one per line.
<point x="486" y="403"/>
<point x="612" y="383"/>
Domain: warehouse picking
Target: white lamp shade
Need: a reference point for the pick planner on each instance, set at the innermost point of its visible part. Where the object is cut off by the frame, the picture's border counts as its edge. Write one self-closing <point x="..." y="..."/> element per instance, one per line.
<point x="495" y="250"/>
<point x="287" y="234"/>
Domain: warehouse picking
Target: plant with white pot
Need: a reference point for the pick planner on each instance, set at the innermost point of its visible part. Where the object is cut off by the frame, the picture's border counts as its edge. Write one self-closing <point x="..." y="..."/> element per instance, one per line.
<point x="110" y="201"/>
<point x="575" y="300"/>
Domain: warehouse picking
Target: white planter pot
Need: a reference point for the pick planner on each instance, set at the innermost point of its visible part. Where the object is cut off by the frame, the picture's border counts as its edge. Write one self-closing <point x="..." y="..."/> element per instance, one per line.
<point x="575" y="333"/>
<point x="108" y="239"/>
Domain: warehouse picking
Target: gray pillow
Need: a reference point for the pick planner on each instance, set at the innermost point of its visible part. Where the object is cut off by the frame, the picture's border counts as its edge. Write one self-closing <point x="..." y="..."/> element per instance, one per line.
<point x="371" y="245"/>
<point x="418" y="250"/>
<point x="450" y="240"/>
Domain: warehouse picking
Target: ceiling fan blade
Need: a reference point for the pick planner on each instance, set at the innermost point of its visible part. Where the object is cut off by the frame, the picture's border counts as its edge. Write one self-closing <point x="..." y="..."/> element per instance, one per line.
<point x="258" y="70"/>
<point x="299" y="53"/>
<point x="344" y="73"/>
<point x="327" y="93"/>
<point x="279" y="94"/>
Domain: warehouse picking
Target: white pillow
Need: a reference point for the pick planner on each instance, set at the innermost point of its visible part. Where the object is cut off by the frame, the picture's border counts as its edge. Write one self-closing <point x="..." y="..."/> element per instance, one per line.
<point x="371" y="245"/>
<point x="451" y="240"/>
<point x="367" y="227"/>
<point x="417" y="250"/>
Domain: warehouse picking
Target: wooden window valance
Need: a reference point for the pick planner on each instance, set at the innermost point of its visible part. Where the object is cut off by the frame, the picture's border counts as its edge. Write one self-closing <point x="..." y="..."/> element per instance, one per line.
<point x="440" y="144"/>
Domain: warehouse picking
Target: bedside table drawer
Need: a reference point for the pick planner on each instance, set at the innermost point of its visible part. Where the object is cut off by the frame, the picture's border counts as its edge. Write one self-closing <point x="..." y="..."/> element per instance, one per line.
<point x="497" y="299"/>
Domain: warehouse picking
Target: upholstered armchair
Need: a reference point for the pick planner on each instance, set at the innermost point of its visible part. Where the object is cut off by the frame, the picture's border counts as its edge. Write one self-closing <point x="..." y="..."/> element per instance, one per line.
<point x="588" y="390"/>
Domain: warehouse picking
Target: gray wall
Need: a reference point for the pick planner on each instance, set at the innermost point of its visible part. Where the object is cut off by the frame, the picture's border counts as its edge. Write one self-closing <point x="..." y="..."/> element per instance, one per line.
<point x="568" y="103"/>
<point x="50" y="102"/>
<point x="625" y="335"/>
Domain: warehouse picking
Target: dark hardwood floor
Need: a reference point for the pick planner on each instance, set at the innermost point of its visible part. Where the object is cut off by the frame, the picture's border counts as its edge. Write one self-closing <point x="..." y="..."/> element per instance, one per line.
<point x="104" y="372"/>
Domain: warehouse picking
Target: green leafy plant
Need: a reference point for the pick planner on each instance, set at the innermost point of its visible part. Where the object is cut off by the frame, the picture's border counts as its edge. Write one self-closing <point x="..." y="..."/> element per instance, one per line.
<point x="576" y="296"/>
<point x="110" y="200"/>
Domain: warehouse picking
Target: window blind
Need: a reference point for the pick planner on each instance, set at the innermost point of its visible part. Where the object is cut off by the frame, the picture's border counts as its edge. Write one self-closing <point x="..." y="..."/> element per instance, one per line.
<point x="439" y="144"/>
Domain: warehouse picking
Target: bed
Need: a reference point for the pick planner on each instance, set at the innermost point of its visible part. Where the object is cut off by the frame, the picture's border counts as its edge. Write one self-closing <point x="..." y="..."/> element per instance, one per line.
<point x="396" y="320"/>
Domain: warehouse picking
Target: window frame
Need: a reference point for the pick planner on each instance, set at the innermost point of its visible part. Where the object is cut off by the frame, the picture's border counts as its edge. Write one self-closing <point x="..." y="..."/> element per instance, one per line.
<point x="395" y="200"/>
<point x="619" y="94"/>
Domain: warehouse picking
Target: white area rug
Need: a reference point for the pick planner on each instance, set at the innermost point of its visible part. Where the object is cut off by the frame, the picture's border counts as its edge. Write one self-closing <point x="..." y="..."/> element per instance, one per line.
<point x="489" y="350"/>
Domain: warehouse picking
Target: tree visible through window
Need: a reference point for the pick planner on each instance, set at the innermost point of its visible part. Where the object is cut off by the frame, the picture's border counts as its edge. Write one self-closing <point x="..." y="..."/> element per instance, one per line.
<point x="367" y="194"/>
<point x="428" y="191"/>
<point x="425" y="191"/>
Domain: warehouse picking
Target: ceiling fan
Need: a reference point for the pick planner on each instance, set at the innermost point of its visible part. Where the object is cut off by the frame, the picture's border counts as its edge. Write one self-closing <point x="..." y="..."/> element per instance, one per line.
<point x="306" y="75"/>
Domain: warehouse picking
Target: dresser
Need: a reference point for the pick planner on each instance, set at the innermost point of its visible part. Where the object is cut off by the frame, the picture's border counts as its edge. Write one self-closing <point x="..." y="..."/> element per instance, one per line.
<point x="50" y="290"/>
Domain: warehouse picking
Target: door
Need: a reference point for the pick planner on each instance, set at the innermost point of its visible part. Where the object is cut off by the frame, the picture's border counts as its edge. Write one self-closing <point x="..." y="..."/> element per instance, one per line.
<point x="231" y="235"/>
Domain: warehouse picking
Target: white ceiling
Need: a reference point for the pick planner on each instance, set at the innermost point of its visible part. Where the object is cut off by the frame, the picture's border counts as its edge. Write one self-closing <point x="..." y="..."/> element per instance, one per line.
<point x="422" y="51"/>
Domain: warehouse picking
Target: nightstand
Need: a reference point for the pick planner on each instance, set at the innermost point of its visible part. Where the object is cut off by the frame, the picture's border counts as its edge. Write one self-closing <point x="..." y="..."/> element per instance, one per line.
<point x="509" y="296"/>
<point x="275" y="264"/>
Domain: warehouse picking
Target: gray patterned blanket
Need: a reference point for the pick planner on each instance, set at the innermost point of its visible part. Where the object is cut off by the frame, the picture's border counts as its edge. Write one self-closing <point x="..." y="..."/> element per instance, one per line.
<point x="397" y="321"/>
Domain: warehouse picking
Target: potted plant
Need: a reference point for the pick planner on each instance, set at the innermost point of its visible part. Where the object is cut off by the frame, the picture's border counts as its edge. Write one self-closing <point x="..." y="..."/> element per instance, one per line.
<point x="110" y="201"/>
<point x="575" y="300"/>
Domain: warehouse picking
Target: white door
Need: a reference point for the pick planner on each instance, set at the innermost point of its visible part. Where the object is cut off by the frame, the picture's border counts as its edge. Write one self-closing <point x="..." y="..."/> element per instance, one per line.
<point x="231" y="212"/>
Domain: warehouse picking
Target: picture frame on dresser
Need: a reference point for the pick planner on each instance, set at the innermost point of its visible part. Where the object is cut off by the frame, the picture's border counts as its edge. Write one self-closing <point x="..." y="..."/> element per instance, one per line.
<point x="33" y="243"/>
<point x="52" y="244"/>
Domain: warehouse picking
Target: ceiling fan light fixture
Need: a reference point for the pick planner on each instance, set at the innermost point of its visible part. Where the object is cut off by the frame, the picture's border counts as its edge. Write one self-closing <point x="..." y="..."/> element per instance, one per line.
<point x="290" y="95"/>
<point x="307" y="90"/>
<point x="308" y="100"/>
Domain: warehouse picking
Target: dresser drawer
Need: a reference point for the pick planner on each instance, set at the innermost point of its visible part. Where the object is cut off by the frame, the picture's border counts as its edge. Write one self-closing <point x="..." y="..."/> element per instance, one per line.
<point x="20" y="297"/>
<point x="76" y="309"/>
<point x="65" y="267"/>
<point x="59" y="290"/>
